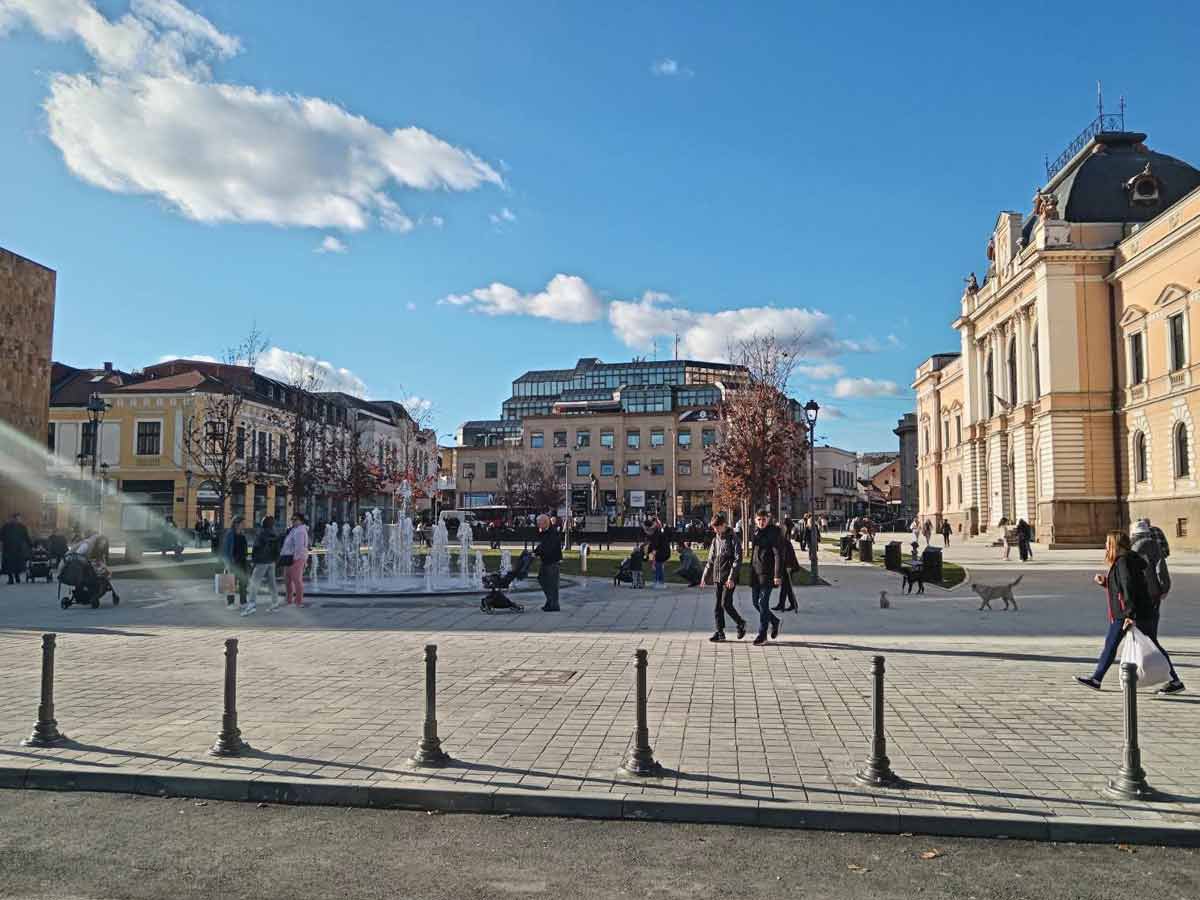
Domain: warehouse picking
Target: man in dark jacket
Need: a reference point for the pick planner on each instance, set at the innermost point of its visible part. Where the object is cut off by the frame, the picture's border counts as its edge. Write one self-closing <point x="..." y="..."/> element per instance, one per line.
<point x="1148" y="546"/>
<point x="235" y="552"/>
<point x="724" y="563"/>
<point x="549" y="551"/>
<point x="15" y="549"/>
<point x="767" y="557"/>
<point x="264" y="557"/>
<point x="658" y="547"/>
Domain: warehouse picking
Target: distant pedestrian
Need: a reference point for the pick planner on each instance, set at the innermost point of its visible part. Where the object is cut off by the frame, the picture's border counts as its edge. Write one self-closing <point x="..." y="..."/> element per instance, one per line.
<point x="721" y="570"/>
<point x="235" y="555"/>
<point x="1005" y="538"/>
<point x="1024" y="540"/>
<point x="915" y="527"/>
<point x="766" y="572"/>
<point x="690" y="568"/>
<point x="293" y="557"/>
<point x="549" y="551"/>
<point x="946" y="532"/>
<point x="15" y="548"/>
<point x="264" y="558"/>
<point x="658" y="547"/>
<point x="787" y="596"/>
<point x="1129" y="604"/>
<point x="927" y="530"/>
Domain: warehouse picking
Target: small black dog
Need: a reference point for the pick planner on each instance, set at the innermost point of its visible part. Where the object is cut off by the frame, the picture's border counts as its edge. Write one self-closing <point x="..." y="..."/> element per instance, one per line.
<point x="912" y="575"/>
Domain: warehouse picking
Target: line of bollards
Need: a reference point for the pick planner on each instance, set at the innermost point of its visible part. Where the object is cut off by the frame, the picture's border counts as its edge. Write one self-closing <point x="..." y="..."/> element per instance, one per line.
<point x="1128" y="784"/>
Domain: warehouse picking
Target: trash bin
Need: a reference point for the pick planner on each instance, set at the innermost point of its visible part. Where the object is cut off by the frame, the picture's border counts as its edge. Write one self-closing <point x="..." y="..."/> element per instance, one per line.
<point x="866" y="550"/>
<point x="931" y="564"/>
<point x="892" y="554"/>
<point x="847" y="545"/>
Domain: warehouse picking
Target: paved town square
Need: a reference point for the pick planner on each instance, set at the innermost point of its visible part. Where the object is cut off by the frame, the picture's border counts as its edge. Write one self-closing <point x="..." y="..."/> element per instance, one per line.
<point x="983" y="716"/>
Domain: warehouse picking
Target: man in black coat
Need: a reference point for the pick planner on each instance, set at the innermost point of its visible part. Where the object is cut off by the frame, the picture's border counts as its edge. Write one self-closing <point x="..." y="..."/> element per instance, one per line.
<point x="16" y="546"/>
<point x="767" y="557"/>
<point x="550" y="551"/>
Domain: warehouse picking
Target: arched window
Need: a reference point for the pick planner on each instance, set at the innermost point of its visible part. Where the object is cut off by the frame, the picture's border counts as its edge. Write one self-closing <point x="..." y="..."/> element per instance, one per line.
<point x="960" y="490"/>
<point x="1012" y="371"/>
<point x="1037" y="368"/>
<point x="989" y="387"/>
<point x="1140" y="471"/>
<point x="1181" y="451"/>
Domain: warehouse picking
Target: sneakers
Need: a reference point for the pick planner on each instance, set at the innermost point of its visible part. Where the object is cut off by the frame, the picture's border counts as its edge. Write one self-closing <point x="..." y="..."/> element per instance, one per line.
<point x="774" y="629"/>
<point x="249" y="610"/>
<point x="1174" y="687"/>
<point x="1088" y="682"/>
<point x="741" y="630"/>
<point x="717" y="637"/>
<point x="760" y="640"/>
<point x="274" y="606"/>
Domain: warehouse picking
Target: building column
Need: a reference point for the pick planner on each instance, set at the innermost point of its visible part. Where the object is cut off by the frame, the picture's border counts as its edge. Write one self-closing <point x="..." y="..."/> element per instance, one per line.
<point x="270" y="498"/>
<point x="248" y="509"/>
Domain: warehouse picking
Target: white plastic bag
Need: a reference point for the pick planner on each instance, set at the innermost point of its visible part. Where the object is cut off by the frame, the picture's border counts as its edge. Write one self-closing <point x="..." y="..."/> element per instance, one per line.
<point x="1138" y="649"/>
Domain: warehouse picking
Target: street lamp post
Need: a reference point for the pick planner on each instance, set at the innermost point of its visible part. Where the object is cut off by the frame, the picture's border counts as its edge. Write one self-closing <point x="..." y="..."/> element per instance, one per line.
<point x="100" y="502"/>
<point x="567" y="499"/>
<point x="96" y="408"/>
<point x="811" y="408"/>
<point x="470" y="491"/>
<point x="187" y="499"/>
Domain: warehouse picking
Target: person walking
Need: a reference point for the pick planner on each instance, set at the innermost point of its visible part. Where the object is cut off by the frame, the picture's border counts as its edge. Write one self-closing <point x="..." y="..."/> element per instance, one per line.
<point x="1128" y="604"/>
<point x="787" y="596"/>
<point x="946" y="532"/>
<point x="1004" y="537"/>
<point x="15" y="549"/>
<point x="235" y="562"/>
<point x="1024" y="540"/>
<point x="659" y="545"/>
<point x="721" y="571"/>
<point x="927" y="530"/>
<point x="293" y="556"/>
<point x="264" y="557"/>
<point x="766" y="572"/>
<point x="550" y="551"/>
<point x="1158" y="584"/>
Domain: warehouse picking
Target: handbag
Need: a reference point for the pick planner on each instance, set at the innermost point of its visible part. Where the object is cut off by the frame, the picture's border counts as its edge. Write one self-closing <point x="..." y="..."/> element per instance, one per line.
<point x="286" y="559"/>
<point x="224" y="583"/>
<point x="1152" y="665"/>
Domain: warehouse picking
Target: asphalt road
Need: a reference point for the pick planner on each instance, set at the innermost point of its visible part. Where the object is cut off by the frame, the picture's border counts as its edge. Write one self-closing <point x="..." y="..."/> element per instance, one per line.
<point x="115" y="846"/>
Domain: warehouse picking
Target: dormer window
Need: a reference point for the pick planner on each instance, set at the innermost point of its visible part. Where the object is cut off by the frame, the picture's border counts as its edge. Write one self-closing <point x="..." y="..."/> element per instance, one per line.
<point x="1143" y="188"/>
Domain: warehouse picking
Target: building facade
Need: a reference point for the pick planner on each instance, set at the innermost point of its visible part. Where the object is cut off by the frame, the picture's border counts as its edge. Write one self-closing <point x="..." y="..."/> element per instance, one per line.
<point x="835" y="478"/>
<point x="1075" y="385"/>
<point x="622" y="439"/>
<point x="27" y="293"/>
<point x="906" y="432"/>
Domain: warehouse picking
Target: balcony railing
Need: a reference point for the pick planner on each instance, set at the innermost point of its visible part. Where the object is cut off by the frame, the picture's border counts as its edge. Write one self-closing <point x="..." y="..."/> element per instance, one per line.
<point x="1105" y="122"/>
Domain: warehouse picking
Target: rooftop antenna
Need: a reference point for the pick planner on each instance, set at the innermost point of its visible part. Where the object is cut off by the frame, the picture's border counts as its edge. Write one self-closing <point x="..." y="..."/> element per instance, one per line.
<point x="1099" y="100"/>
<point x="677" y="346"/>
<point x="654" y="344"/>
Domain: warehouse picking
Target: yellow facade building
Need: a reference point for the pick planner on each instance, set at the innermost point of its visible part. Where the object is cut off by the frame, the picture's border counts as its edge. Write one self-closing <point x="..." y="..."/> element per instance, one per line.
<point x="1071" y="401"/>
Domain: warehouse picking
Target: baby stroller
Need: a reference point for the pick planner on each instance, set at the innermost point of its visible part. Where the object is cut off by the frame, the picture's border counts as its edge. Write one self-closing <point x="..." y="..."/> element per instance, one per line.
<point x="88" y="585"/>
<point x="496" y="582"/>
<point x="39" y="564"/>
<point x="630" y="570"/>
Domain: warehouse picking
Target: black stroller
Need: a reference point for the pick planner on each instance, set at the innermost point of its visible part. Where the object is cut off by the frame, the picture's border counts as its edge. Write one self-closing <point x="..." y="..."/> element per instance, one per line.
<point x="496" y="582"/>
<point x="39" y="564"/>
<point x="630" y="570"/>
<point x="87" y="584"/>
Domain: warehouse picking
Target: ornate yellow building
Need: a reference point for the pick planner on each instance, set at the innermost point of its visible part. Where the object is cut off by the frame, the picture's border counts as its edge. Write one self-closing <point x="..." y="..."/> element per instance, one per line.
<point x="1072" y="400"/>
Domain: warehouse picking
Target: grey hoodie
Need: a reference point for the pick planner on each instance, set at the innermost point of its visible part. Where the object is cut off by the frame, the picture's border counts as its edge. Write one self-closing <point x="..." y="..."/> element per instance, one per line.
<point x="1158" y="579"/>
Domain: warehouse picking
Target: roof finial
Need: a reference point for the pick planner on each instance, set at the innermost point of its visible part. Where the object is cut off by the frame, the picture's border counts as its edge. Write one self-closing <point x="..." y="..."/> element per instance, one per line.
<point x="1099" y="100"/>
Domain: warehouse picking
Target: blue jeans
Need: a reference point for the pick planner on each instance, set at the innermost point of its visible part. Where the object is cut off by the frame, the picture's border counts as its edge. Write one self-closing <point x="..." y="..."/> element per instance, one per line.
<point x="1112" y="641"/>
<point x="660" y="575"/>
<point x="761" y="595"/>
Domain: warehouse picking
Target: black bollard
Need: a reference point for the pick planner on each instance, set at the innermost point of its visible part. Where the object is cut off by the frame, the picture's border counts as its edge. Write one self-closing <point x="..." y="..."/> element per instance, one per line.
<point x="45" y="729"/>
<point x="229" y="741"/>
<point x="1130" y="783"/>
<point x="429" y="751"/>
<point x="640" y="759"/>
<point x="878" y="771"/>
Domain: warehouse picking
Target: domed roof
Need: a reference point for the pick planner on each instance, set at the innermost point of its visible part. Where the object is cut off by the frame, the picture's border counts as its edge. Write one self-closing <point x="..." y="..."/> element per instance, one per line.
<point x="1122" y="180"/>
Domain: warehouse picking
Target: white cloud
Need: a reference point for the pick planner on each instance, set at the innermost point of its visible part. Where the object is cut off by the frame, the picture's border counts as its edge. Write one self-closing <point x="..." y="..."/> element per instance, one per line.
<point x="331" y="244"/>
<point x="417" y="406"/>
<point x="410" y="306"/>
<point x="220" y="152"/>
<point x="195" y="357"/>
<point x="284" y="364"/>
<point x="893" y="341"/>
<point x="505" y="215"/>
<point x="829" y="411"/>
<point x="821" y="371"/>
<point x="865" y="387"/>
<point x="670" y="68"/>
<point x="566" y="298"/>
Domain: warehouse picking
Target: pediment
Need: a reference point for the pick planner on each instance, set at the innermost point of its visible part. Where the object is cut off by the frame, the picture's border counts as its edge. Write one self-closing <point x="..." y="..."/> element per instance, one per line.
<point x="1134" y="314"/>
<point x="1170" y="294"/>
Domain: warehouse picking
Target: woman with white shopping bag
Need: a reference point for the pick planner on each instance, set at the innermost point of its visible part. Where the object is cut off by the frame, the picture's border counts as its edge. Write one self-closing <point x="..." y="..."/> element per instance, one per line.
<point x="1129" y="605"/>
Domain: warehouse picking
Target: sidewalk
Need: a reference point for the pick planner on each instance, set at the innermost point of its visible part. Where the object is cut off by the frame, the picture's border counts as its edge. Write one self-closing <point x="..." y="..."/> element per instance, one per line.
<point x="538" y="709"/>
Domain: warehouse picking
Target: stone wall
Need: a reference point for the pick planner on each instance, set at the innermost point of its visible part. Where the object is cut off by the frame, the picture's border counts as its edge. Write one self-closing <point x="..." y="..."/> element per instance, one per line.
<point x="26" y="336"/>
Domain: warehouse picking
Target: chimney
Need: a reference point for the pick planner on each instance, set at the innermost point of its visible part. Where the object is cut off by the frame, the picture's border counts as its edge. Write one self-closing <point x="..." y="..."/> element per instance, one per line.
<point x="108" y="367"/>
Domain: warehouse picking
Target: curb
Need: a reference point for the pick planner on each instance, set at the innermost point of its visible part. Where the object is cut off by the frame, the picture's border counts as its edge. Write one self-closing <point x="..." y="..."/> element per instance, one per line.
<point x="569" y="804"/>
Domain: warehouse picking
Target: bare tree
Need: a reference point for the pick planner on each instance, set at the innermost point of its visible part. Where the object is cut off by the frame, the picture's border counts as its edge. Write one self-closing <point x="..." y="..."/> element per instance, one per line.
<point x="347" y="466"/>
<point x="306" y="428"/>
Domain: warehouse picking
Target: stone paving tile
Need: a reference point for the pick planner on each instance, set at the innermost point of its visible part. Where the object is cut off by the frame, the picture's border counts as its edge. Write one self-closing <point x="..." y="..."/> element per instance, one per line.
<point x="981" y="713"/>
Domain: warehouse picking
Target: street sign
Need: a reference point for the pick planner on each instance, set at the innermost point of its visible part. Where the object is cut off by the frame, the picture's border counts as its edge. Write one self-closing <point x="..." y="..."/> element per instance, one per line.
<point x="637" y="499"/>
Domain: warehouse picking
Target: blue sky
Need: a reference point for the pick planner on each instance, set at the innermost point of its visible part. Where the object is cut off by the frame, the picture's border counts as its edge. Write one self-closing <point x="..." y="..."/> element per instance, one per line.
<point x="681" y="167"/>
